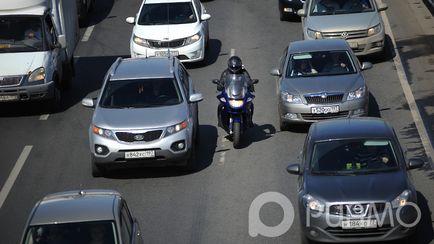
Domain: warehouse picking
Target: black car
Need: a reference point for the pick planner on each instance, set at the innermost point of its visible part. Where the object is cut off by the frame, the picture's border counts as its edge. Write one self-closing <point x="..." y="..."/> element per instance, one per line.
<point x="288" y="8"/>
<point x="354" y="184"/>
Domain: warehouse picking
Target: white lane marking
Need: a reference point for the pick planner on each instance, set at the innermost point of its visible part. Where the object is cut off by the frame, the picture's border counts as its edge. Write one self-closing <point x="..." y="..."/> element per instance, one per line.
<point x="420" y="126"/>
<point x="87" y="33"/>
<point x="232" y="52"/>
<point x="14" y="174"/>
<point x="44" y="117"/>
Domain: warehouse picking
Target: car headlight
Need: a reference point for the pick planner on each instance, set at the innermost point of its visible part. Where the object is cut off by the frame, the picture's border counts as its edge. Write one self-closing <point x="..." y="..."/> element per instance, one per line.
<point x="402" y="199"/>
<point x="359" y="93"/>
<point x="290" y="98"/>
<point x="314" y="34"/>
<point x="176" y="128"/>
<point x="103" y="132"/>
<point x="140" y="41"/>
<point x="374" y="30"/>
<point x="37" y="75"/>
<point x="313" y="204"/>
<point x="236" y="103"/>
<point x="192" y="39"/>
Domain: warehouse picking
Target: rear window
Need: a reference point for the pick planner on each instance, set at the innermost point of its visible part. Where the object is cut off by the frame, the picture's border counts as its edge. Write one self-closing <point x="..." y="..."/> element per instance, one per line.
<point x="167" y="13"/>
<point x="140" y="93"/>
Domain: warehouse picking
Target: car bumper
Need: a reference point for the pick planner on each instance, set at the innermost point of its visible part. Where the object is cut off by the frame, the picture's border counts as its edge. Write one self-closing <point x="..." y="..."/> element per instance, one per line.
<point x="289" y="7"/>
<point x="163" y="147"/>
<point x="302" y="113"/>
<point x="321" y="230"/>
<point x="191" y="53"/>
<point x="364" y="46"/>
<point x="26" y="93"/>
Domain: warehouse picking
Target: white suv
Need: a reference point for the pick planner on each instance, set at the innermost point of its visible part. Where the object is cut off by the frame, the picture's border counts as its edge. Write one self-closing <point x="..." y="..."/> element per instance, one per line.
<point x="170" y="28"/>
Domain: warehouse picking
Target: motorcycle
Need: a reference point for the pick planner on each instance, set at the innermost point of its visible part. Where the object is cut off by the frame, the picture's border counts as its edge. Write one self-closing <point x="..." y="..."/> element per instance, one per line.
<point x="235" y="105"/>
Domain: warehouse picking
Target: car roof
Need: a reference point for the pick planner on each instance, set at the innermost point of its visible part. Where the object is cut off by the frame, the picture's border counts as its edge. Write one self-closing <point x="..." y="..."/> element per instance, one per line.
<point x="165" y="1"/>
<point x="348" y="128"/>
<point x="136" y="68"/>
<point x="75" y="206"/>
<point x="317" y="45"/>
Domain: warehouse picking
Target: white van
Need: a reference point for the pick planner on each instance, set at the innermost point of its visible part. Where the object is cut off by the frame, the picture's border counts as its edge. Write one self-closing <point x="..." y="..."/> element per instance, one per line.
<point x="37" y="43"/>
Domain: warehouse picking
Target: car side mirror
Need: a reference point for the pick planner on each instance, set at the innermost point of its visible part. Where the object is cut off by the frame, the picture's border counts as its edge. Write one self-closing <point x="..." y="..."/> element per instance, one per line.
<point x="130" y="20"/>
<point x="414" y="164"/>
<point x="366" y="65"/>
<point x="293" y="169"/>
<point x="381" y="7"/>
<point x="301" y="13"/>
<point x="205" y="17"/>
<point x="196" y="97"/>
<point x="88" y="102"/>
<point x="255" y="81"/>
<point x="275" y="72"/>
<point x="61" y="40"/>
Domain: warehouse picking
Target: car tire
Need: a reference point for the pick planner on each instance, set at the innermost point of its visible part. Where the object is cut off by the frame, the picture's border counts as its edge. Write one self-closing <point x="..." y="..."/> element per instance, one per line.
<point x="191" y="164"/>
<point x="82" y="21"/>
<point x="283" y="125"/>
<point x="55" y="103"/>
<point x="97" y="170"/>
<point x="92" y="5"/>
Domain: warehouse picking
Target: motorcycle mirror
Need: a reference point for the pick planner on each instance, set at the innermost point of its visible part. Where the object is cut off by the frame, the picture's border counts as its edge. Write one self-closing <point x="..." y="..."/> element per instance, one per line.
<point x="220" y="88"/>
<point x="215" y="81"/>
<point x="255" y="81"/>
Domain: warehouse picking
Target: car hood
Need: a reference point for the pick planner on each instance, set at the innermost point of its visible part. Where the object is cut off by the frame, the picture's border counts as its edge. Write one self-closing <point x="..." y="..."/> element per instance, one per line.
<point x="337" y="83"/>
<point x="343" y="22"/>
<point x="166" y="32"/>
<point x="370" y="187"/>
<point x="21" y="63"/>
<point x="139" y="118"/>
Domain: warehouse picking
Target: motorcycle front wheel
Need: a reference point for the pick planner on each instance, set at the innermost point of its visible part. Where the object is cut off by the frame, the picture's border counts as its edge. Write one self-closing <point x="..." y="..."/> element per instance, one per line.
<point x="236" y="134"/>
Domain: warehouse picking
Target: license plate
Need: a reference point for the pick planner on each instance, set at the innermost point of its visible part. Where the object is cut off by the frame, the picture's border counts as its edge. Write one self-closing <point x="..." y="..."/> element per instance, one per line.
<point x="325" y="110"/>
<point x="166" y="53"/>
<point x="140" y="154"/>
<point x="359" y="224"/>
<point x="8" y="98"/>
<point x="353" y="44"/>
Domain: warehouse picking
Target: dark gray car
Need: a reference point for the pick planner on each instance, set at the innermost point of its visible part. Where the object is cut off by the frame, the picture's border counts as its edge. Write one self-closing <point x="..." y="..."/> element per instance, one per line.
<point x="320" y="80"/>
<point x="353" y="183"/>
<point x="85" y="217"/>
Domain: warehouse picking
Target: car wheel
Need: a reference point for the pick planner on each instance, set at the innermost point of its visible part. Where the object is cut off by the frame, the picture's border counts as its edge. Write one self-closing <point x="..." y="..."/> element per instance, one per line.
<point x="97" y="170"/>
<point x="92" y="5"/>
<point x="305" y="240"/>
<point x="191" y="164"/>
<point x="283" y="126"/>
<point x="55" y="103"/>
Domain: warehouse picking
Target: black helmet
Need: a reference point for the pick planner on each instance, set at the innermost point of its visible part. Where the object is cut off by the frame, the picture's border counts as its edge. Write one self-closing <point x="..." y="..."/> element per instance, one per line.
<point x="235" y="64"/>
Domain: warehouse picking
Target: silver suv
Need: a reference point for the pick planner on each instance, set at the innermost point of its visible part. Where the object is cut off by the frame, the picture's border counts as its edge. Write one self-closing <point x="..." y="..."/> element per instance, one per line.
<point x="146" y="113"/>
<point x="357" y="21"/>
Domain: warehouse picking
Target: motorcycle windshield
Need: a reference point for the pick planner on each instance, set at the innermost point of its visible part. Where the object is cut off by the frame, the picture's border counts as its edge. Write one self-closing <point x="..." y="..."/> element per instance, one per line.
<point x="235" y="86"/>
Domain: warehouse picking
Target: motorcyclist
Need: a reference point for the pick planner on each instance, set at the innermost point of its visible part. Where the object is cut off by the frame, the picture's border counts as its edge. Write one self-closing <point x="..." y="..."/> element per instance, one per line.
<point x="235" y="66"/>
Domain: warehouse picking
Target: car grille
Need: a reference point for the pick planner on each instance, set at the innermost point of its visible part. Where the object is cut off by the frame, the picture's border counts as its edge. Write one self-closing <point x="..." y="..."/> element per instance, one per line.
<point x="10" y="80"/>
<point x="345" y="34"/>
<point x="324" y="116"/>
<point x="167" y="44"/>
<point x="342" y="209"/>
<point x="354" y="233"/>
<point x="324" y="98"/>
<point x="139" y="137"/>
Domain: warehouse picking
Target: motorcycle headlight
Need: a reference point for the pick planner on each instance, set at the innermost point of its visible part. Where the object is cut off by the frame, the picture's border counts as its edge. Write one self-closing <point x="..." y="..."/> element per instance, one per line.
<point x="314" y="34"/>
<point x="402" y="199"/>
<point x="374" y="30"/>
<point x="290" y="98"/>
<point x="103" y="132"/>
<point x="140" y="41"/>
<point x="313" y="204"/>
<point x="37" y="75"/>
<point x="236" y="103"/>
<point x="192" y="39"/>
<point x="359" y="93"/>
<point x="176" y="128"/>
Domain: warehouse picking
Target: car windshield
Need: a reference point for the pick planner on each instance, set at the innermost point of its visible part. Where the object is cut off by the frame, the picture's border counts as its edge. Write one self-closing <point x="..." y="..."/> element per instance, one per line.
<point x="346" y="157"/>
<point x="329" y="7"/>
<point x="21" y="34"/>
<point x="72" y="233"/>
<point x="140" y="93"/>
<point x="321" y="63"/>
<point x="167" y="13"/>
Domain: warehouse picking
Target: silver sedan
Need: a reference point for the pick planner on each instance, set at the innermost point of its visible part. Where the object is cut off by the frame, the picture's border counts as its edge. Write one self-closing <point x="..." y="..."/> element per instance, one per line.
<point x="319" y="80"/>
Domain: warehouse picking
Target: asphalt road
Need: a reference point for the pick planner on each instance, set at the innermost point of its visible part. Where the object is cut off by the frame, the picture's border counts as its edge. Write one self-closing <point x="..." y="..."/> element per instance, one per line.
<point x="211" y="205"/>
